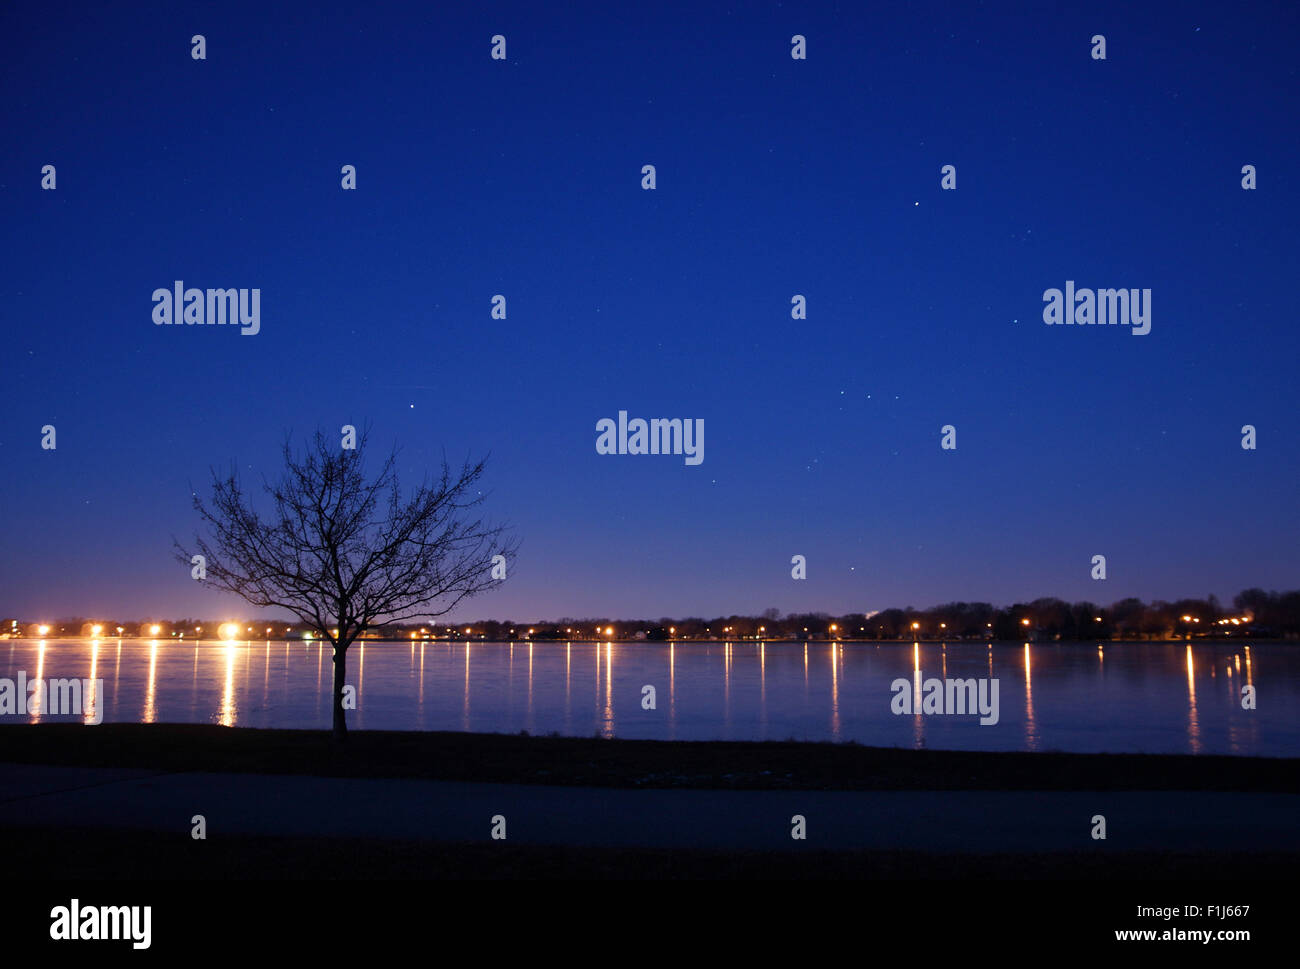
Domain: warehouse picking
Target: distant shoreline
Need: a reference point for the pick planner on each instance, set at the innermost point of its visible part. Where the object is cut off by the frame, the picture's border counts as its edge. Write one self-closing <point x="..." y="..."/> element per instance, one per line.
<point x="1226" y="640"/>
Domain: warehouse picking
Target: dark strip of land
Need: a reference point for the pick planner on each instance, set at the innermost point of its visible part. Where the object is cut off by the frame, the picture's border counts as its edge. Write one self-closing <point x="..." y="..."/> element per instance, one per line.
<point x="592" y="762"/>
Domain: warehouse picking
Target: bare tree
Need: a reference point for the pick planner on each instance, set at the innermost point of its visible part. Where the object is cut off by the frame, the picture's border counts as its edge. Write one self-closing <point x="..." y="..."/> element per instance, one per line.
<point x="342" y="550"/>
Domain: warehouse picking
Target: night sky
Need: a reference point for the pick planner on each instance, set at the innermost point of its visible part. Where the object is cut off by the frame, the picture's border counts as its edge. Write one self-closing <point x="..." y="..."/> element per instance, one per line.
<point x="775" y="177"/>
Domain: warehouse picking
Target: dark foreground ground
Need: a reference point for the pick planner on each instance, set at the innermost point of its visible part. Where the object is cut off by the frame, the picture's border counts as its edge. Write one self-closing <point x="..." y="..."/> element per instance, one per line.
<point x="68" y="809"/>
<point x="90" y="853"/>
<point x="588" y="762"/>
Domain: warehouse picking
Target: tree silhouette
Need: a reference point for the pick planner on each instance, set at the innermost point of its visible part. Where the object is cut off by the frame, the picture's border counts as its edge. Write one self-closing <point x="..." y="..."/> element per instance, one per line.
<point x="342" y="550"/>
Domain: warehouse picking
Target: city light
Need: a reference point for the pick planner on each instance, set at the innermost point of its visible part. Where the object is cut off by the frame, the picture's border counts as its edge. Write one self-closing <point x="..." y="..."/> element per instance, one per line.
<point x="155" y="629"/>
<point x="43" y="630"/>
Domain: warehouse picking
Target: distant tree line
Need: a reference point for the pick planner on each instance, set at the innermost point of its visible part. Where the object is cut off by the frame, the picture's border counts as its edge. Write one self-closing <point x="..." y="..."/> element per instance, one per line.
<point x="1254" y="612"/>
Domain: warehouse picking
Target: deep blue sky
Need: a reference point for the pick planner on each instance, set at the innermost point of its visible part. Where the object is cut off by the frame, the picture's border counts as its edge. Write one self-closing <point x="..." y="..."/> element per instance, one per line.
<point x="775" y="177"/>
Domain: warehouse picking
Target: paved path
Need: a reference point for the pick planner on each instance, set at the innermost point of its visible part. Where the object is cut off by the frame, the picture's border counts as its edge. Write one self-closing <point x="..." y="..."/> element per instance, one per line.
<point x="941" y="821"/>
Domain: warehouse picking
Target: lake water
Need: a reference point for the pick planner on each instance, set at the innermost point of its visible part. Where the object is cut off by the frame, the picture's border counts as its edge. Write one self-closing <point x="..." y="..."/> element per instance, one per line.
<point x="1132" y="697"/>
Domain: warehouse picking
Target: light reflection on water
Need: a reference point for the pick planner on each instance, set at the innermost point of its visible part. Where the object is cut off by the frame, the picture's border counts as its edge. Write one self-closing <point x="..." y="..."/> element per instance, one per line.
<point x="1152" y="697"/>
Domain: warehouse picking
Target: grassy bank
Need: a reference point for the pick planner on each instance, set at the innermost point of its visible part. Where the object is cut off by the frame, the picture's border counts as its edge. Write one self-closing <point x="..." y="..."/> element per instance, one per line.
<point x="514" y="758"/>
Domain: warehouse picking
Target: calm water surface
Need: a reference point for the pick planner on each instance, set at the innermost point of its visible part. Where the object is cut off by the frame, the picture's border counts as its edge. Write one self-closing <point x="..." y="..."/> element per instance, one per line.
<point x="1136" y="697"/>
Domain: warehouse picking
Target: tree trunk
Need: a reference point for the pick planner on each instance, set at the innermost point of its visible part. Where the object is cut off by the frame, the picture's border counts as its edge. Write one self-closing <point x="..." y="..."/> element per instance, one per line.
<point x="340" y="720"/>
